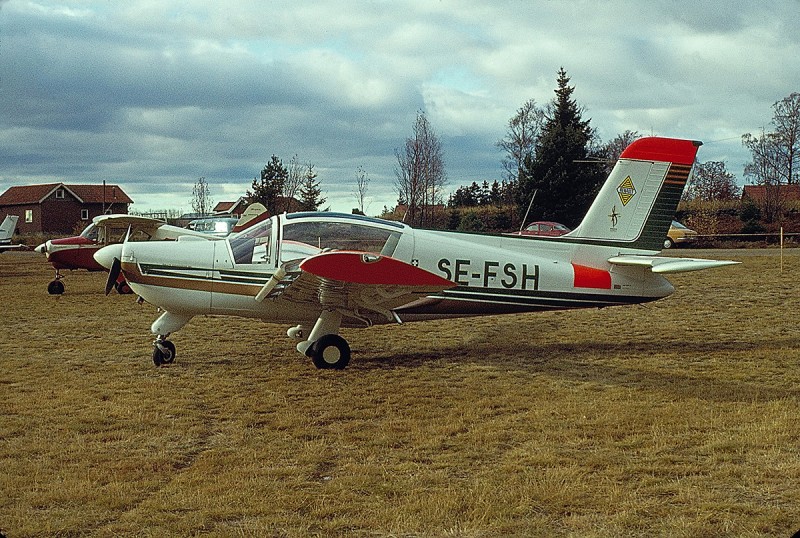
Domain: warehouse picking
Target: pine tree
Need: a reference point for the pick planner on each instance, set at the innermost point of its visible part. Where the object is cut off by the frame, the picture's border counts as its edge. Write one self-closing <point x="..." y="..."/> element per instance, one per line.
<point x="565" y="184"/>
<point x="269" y="186"/>
<point x="310" y="191"/>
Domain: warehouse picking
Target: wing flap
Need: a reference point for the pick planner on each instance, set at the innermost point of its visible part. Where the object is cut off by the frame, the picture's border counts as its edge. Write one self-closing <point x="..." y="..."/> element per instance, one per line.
<point x="664" y="265"/>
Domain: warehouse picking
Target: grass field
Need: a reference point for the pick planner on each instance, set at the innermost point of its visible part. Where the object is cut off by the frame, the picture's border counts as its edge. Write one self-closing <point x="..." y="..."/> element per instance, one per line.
<point x="679" y="418"/>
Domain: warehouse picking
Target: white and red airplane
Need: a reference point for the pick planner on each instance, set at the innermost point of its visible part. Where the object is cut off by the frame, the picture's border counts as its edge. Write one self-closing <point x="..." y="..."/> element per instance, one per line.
<point x="78" y="252"/>
<point x="322" y="271"/>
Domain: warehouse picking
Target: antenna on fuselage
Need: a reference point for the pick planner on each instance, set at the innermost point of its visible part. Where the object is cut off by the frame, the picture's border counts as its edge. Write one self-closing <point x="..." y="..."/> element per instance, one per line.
<point x="524" y="220"/>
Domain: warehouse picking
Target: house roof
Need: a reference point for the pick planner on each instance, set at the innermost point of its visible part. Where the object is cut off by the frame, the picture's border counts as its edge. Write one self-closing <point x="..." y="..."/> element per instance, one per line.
<point x="223" y="207"/>
<point x="758" y="192"/>
<point x="87" y="194"/>
<point x="230" y="207"/>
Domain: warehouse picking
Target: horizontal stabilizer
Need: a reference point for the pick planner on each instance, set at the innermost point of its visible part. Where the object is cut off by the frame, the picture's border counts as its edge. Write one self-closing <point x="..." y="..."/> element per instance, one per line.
<point x="664" y="265"/>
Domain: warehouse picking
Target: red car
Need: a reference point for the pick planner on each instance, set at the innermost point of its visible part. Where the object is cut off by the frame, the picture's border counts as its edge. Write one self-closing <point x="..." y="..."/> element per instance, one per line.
<point x="544" y="228"/>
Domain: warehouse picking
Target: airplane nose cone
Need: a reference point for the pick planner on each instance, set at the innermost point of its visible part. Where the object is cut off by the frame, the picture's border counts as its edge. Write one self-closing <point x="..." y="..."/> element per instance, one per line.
<point x="105" y="256"/>
<point x="41" y="249"/>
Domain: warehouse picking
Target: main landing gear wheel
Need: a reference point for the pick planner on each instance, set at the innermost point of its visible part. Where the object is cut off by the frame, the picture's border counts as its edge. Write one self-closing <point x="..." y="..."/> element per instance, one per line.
<point x="56" y="287"/>
<point x="330" y="352"/>
<point x="163" y="352"/>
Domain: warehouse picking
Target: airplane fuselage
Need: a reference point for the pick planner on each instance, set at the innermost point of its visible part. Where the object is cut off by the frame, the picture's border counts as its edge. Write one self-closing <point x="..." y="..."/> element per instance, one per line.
<point x="491" y="274"/>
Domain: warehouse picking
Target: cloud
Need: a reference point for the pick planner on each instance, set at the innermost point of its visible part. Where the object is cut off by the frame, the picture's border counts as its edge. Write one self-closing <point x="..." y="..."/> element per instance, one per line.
<point x="153" y="95"/>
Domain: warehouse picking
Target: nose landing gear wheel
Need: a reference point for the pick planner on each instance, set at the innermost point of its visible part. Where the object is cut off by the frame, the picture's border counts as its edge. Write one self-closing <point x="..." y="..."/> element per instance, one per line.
<point x="56" y="287"/>
<point x="163" y="352"/>
<point x="330" y="352"/>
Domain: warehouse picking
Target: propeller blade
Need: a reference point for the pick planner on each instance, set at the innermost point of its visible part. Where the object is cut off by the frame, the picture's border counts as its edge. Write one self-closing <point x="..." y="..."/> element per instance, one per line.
<point x="113" y="273"/>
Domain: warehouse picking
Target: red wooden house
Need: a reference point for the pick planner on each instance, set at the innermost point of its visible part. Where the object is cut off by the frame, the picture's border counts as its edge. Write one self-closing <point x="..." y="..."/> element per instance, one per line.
<point x="57" y="208"/>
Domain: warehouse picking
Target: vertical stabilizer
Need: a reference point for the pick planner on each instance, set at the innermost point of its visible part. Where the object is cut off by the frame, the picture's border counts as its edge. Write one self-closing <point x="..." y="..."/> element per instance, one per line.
<point x="638" y="201"/>
<point x="8" y="227"/>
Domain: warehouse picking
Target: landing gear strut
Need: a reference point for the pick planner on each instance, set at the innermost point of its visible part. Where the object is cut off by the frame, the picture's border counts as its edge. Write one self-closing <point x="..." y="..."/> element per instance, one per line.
<point x="166" y="324"/>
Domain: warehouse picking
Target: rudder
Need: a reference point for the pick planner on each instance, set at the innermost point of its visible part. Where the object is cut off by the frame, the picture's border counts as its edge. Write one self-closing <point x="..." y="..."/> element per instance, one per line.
<point x="8" y="226"/>
<point x="638" y="201"/>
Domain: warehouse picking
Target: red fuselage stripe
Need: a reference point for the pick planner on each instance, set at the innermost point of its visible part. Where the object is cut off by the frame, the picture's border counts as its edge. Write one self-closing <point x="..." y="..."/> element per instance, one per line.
<point x="589" y="277"/>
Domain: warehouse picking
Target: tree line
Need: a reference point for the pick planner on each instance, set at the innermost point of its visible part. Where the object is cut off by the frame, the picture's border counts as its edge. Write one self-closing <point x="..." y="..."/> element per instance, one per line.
<point x="555" y="164"/>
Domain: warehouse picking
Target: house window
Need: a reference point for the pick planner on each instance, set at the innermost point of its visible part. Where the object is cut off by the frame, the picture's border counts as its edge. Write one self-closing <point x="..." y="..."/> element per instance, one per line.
<point x="84" y="214"/>
<point x="29" y="215"/>
<point x="60" y="194"/>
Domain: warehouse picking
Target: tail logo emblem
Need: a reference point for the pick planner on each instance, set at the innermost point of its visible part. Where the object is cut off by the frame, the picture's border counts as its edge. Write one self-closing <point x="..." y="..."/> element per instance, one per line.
<point x="626" y="190"/>
<point x="614" y="216"/>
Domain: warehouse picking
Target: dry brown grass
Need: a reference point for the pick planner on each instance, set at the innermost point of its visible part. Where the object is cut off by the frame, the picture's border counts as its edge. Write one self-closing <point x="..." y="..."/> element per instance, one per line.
<point x="675" y="419"/>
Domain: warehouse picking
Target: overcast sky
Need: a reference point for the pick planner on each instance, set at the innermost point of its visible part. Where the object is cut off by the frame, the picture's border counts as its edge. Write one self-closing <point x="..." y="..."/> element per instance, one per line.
<point x="153" y="95"/>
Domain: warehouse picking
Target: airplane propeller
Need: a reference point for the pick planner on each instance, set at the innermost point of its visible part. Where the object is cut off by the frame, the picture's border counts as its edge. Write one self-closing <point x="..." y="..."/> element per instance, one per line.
<point x="113" y="274"/>
<point x="109" y="257"/>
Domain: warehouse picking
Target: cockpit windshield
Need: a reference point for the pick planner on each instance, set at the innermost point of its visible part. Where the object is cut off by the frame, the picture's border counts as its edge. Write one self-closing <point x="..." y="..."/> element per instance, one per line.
<point x="253" y="244"/>
<point x="303" y="239"/>
<point x="300" y="239"/>
<point x="90" y="232"/>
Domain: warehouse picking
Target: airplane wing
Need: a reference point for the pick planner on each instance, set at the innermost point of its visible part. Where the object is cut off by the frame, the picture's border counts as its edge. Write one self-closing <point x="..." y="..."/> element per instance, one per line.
<point x="665" y="265"/>
<point x="358" y="284"/>
<point x="154" y="228"/>
<point x="3" y="248"/>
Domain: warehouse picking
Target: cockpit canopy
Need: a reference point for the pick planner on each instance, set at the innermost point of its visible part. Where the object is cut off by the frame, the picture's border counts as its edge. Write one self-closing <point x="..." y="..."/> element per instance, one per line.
<point x="306" y="234"/>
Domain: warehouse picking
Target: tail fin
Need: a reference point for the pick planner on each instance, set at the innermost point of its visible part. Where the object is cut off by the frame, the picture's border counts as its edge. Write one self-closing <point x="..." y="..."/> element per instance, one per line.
<point x="637" y="203"/>
<point x="8" y="227"/>
<point x="254" y="214"/>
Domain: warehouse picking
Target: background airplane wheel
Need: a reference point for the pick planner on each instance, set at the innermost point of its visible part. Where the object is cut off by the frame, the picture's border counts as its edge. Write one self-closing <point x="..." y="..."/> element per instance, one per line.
<point x="165" y="356"/>
<point x="56" y="287"/>
<point x="123" y="288"/>
<point x="668" y="243"/>
<point x="330" y="352"/>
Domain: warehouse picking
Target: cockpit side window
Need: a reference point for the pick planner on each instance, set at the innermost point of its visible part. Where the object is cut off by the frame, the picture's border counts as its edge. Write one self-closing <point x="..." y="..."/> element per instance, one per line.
<point x="253" y="244"/>
<point x="303" y="239"/>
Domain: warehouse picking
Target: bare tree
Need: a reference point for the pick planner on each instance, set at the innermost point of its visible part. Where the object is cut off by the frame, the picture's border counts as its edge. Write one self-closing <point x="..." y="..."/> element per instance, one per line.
<point x="614" y="147"/>
<point x="776" y="155"/>
<point x="362" y="184"/>
<point x="296" y="175"/>
<point x="787" y="136"/>
<point x="201" y="197"/>
<point x="711" y="181"/>
<point x="523" y="130"/>
<point x="420" y="174"/>
<point x="765" y="170"/>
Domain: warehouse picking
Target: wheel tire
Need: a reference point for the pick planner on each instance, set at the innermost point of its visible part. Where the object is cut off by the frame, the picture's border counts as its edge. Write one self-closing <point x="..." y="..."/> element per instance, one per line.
<point x="167" y="356"/>
<point x="668" y="243"/>
<point x="56" y="287"/>
<point x="331" y="352"/>
<point x="123" y="288"/>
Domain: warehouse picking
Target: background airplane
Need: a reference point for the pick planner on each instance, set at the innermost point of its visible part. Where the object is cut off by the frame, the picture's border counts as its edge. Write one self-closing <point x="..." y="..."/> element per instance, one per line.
<point x="78" y="252"/>
<point x="322" y="271"/>
<point x="7" y="229"/>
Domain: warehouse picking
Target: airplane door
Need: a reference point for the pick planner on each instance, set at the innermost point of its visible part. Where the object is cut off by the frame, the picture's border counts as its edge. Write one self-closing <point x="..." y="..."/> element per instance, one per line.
<point x="241" y="266"/>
